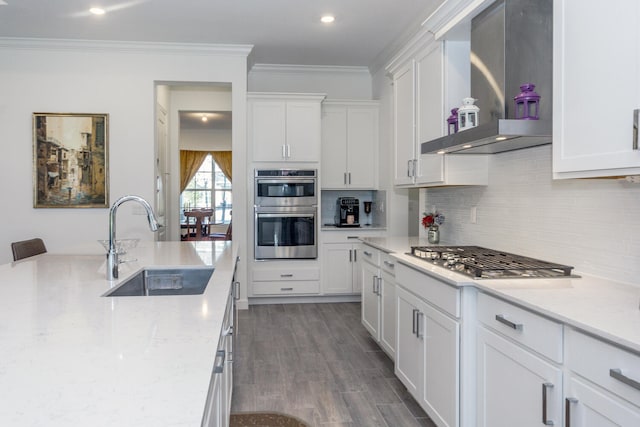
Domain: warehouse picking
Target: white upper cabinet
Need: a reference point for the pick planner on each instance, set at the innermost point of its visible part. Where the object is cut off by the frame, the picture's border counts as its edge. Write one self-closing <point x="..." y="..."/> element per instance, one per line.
<point x="284" y="127"/>
<point x="596" y="88"/>
<point x="427" y="84"/>
<point x="349" y="144"/>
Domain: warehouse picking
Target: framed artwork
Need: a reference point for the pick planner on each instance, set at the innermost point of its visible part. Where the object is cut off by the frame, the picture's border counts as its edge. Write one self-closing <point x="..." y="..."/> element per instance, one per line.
<point x="70" y="160"/>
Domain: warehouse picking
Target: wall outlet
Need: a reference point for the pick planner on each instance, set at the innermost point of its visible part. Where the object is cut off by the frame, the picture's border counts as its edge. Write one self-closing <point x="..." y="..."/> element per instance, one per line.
<point x="473" y="214"/>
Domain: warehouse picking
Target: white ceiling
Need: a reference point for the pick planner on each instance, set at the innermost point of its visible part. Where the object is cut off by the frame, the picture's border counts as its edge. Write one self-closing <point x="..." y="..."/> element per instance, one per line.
<point x="282" y="31"/>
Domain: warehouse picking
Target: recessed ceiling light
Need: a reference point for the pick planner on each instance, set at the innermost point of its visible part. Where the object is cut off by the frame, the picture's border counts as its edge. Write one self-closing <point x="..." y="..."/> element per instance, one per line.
<point x="204" y="118"/>
<point x="97" y="11"/>
<point x="327" y="19"/>
<point x="501" y="138"/>
<point x="467" y="146"/>
<point x="441" y="152"/>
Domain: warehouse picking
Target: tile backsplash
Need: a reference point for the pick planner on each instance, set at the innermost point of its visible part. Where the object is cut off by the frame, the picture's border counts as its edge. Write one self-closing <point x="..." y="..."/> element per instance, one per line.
<point x="591" y="224"/>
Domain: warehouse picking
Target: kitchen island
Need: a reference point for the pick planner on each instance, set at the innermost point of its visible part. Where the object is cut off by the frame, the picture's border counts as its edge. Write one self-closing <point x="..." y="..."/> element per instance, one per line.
<point x="72" y="357"/>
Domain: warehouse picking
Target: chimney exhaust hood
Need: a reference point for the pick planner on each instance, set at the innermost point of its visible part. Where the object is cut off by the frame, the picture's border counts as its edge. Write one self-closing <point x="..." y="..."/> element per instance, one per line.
<point x="511" y="44"/>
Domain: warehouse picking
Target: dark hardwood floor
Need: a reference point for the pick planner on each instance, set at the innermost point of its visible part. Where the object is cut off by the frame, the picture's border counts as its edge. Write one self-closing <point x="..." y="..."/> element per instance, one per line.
<point x="318" y="363"/>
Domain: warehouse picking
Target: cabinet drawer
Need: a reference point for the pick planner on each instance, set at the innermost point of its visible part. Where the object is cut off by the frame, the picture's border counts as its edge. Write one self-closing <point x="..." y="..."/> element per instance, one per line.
<point x="371" y="255"/>
<point x="529" y="329"/>
<point x="432" y="290"/>
<point x="388" y="263"/>
<point x="286" y="274"/>
<point x="286" y="288"/>
<point x="606" y="365"/>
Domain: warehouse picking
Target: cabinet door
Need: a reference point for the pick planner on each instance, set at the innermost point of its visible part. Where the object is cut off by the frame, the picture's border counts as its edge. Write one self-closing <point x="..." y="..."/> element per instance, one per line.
<point x="441" y="367"/>
<point x="362" y="146"/>
<point x="513" y="384"/>
<point x="370" y="299"/>
<point x="589" y="406"/>
<point x="388" y="314"/>
<point x="303" y="131"/>
<point x="409" y="350"/>
<point x="334" y="147"/>
<point x="337" y="262"/>
<point x="430" y="120"/>
<point x="596" y="88"/>
<point x="404" y="130"/>
<point x="267" y="130"/>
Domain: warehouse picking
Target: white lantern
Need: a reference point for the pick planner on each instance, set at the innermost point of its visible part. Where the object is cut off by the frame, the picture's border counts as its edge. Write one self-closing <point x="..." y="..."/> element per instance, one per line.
<point x="468" y="114"/>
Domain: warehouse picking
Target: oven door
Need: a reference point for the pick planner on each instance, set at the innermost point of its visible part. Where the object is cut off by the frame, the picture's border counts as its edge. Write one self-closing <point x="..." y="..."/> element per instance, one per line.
<point x="288" y="191"/>
<point x="285" y="233"/>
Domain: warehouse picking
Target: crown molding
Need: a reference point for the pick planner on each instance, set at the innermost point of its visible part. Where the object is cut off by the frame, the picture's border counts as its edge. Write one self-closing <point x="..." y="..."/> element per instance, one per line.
<point x="241" y="50"/>
<point x="290" y="68"/>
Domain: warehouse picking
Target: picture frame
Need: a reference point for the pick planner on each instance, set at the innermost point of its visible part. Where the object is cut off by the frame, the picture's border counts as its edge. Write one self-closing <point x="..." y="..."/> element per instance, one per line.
<point x="70" y="160"/>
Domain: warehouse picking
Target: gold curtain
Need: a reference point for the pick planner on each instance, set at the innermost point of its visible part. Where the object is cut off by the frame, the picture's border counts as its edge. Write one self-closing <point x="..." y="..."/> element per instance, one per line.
<point x="223" y="159"/>
<point x="190" y="162"/>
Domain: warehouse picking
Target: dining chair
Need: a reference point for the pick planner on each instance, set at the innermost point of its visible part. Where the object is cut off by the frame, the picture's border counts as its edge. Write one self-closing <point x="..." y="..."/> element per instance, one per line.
<point x="27" y="248"/>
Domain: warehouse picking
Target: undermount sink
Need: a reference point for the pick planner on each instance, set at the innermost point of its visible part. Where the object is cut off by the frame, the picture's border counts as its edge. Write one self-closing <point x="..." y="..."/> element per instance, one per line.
<point x="169" y="281"/>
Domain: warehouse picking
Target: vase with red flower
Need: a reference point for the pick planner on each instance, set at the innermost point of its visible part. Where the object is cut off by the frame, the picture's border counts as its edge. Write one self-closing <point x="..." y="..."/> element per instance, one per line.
<point x="432" y="222"/>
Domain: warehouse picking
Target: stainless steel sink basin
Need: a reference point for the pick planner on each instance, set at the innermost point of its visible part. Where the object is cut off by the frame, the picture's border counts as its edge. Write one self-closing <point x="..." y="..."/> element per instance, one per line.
<point x="169" y="281"/>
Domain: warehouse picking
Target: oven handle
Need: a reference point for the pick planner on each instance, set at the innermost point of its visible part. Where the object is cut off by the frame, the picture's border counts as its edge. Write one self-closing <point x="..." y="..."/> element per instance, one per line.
<point x="285" y="215"/>
<point x="285" y="181"/>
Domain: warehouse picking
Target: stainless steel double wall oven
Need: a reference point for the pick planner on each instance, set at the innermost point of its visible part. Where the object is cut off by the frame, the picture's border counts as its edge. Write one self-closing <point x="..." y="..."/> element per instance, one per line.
<point x="286" y="205"/>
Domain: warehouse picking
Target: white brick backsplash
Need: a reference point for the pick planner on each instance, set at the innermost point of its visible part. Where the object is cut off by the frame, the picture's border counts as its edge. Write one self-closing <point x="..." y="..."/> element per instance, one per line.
<point x="591" y="224"/>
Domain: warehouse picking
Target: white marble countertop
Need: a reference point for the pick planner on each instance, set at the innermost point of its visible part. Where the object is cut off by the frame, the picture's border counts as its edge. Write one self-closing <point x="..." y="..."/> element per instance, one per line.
<point x="601" y="307"/>
<point x="70" y="357"/>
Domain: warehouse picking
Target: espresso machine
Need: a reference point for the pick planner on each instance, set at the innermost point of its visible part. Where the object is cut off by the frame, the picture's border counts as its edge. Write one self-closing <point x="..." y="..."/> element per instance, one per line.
<point x="347" y="212"/>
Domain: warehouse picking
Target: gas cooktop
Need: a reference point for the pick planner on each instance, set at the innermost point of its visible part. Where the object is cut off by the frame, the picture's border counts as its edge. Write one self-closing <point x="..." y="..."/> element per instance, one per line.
<point x="483" y="263"/>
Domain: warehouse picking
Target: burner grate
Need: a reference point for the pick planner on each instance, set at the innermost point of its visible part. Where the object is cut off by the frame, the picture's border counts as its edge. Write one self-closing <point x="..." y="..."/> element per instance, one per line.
<point x="480" y="262"/>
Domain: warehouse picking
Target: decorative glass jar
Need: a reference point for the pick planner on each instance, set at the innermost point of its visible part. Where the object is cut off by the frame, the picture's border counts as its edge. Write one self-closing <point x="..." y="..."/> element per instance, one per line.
<point x="433" y="234"/>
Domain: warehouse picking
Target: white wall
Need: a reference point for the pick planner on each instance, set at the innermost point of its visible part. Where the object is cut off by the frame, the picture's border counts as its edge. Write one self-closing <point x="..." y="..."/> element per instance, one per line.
<point x="591" y="224"/>
<point x="335" y="82"/>
<point x="113" y="78"/>
<point x="205" y="140"/>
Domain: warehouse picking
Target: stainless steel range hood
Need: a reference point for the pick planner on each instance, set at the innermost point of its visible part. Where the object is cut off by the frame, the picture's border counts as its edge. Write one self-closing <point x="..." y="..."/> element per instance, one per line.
<point x="511" y="44"/>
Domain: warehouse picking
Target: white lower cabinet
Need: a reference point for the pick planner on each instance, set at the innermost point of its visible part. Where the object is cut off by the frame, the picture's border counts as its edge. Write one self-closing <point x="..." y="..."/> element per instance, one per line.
<point x="340" y="268"/>
<point x="285" y="278"/>
<point x="602" y="383"/>
<point x="428" y="349"/>
<point x="515" y="387"/>
<point x="378" y="298"/>
<point x="218" y="404"/>
<point x="518" y="381"/>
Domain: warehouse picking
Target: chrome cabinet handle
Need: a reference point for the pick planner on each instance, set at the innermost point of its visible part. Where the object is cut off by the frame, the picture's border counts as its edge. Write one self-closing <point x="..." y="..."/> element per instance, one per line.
<point x="228" y="331"/>
<point x="409" y="168"/>
<point x="379" y="286"/>
<point x="288" y="151"/>
<point x="355" y="255"/>
<point x="286" y="275"/>
<point x="286" y="289"/>
<point x="345" y="179"/>
<point x="349" y="178"/>
<point x="415" y="316"/>
<point x="636" y="113"/>
<point x="219" y="367"/>
<point x="350" y="255"/>
<point x="545" y="387"/>
<point x="415" y="167"/>
<point x="517" y="326"/>
<point x="567" y="410"/>
<point x="375" y="285"/>
<point x="367" y="253"/>
<point x="389" y="264"/>
<point x="618" y="375"/>
<point x="236" y="290"/>
<point x="418" y="333"/>
<point x="284" y="151"/>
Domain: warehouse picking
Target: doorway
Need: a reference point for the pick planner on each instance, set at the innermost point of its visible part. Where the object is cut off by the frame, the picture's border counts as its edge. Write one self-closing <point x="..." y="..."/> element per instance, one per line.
<point x="198" y="118"/>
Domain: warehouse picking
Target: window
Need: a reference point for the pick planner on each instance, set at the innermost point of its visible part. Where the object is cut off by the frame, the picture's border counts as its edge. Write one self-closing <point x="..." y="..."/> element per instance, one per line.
<point x="208" y="189"/>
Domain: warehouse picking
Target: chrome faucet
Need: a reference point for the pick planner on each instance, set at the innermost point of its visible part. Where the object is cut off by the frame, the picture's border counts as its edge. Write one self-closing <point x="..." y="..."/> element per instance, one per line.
<point x="112" y="254"/>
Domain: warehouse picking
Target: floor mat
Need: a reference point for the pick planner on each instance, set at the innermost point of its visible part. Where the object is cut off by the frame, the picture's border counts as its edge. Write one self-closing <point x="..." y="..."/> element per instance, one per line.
<point x="264" y="419"/>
